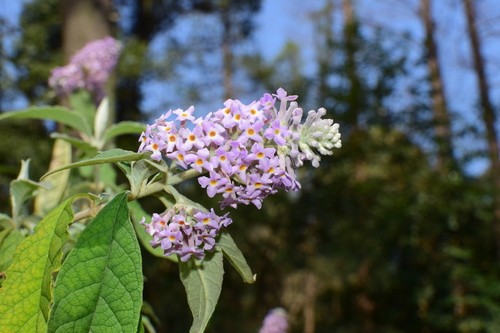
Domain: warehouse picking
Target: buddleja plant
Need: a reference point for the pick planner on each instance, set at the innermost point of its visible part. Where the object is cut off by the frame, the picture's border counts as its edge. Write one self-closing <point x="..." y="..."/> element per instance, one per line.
<point x="241" y="153"/>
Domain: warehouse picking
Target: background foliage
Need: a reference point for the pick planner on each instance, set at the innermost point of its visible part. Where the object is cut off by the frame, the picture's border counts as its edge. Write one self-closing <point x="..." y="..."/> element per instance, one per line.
<point x="380" y="238"/>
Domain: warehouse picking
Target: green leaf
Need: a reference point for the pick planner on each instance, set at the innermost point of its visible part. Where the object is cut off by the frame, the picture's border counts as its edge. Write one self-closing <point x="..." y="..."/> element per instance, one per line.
<point x="25" y="298"/>
<point x="86" y="147"/>
<point x="81" y="102"/>
<point x="46" y="200"/>
<point x="56" y="113"/>
<point x="99" y="287"/>
<point x="235" y="257"/>
<point x="124" y="127"/>
<point x="136" y="214"/>
<point x="101" y="122"/>
<point x="137" y="173"/>
<point x="21" y="190"/>
<point x="6" y="222"/>
<point x="109" y="156"/>
<point x="202" y="279"/>
<point x="8" y="245"/>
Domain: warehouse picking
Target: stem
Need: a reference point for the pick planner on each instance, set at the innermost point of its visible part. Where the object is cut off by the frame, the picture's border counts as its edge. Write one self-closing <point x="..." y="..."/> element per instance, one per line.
<point x="92" y="211"/>
<point x="185" y="175"/>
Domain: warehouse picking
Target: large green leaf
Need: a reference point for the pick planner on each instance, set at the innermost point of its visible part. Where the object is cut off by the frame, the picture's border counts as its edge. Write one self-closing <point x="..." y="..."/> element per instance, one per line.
<point x="99" y="287"/>
<point x="124" y="127"/>
<point x="203" y="282"/>
<point x="9" y="240"/>
<point x="235" y="257"/>
<point x="56" y="113"/>
<point x="25" y="298"/>
<point x="109" y="156"/>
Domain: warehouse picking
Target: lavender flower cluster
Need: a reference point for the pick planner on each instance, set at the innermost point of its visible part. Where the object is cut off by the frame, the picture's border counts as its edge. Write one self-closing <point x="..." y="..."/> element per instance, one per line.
<point x="248" y="151"/>
<point x="275" y="322"/>
<point x="244" y="152"/>
<point x="89" y="68"/>
<point x="185" y="231"/>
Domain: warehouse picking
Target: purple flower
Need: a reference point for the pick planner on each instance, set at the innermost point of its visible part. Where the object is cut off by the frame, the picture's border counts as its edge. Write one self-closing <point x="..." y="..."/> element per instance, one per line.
<point x="275" y="322"/>
<point x="89" y="68"/>
<point x="259" y="152"/>
<point x="249" y="150"/>
<point x="206" y="220"/>
<point x="180" y="156"/>
<point x="277" y="132"/>
<point x="192" y="138"/>
<point x="250" y="131"/>
<point x="267" y="101"/>
<point x="213" y="184"/>
<point x="175" y="235"/>
<point x="156" y="146"/>
<point x="282" y="95"/>
<point x="64" y="80"/>
<point x="223" y="160"/>
<point x="213" y="133"/>
<point x="184" y="115"/>
<point x="200" y="160"/>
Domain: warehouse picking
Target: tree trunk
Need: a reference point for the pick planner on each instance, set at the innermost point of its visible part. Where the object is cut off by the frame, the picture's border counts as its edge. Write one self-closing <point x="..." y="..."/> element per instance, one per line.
<point x="323" y="21"/>
<point x="85" y="21"/>
<point x="488" y="113"/>
<point x="445" y="161"/>
<point x="227" y="53"/>
<point x="355" y="98"/>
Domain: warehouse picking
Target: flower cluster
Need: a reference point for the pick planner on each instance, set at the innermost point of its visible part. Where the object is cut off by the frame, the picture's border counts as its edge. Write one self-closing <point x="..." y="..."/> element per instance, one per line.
<point x="89" y="68"/>
<point x="246" y="151"/>
<point x="275" y="322"/>
<point x="185" y="231"/>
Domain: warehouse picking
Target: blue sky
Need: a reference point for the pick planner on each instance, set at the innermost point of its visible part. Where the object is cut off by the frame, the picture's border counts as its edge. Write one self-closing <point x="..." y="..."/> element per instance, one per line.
<point x="289" y="20"/>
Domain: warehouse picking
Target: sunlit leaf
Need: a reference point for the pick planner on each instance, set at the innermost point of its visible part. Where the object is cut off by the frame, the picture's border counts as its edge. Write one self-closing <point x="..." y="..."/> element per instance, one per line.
<point x="109" y="156"/>
<point x="99" y="287"/>
<point x="25" y="295"/>
<point x="101" y="121"/>
<point x="9" y="240"/>
<point x="57" y="113"/>
<point x="47" y="199"/>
